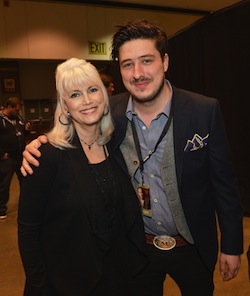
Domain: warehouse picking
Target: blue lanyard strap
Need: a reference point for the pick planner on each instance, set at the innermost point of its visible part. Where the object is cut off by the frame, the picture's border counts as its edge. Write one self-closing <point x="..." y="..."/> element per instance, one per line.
<point x="137" y="143"/>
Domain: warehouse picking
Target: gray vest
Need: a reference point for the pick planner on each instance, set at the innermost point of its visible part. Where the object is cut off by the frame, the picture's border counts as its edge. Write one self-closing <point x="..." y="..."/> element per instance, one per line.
<point x="168" y="174"/>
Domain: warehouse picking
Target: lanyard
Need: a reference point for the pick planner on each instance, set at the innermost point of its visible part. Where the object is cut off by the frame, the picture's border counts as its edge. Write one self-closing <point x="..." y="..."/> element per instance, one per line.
<point x="12" y="122"/>
<point x="150" y="153"/>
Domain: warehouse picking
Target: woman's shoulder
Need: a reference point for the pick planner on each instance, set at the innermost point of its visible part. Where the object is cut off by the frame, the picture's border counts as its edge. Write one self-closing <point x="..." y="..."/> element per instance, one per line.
<point x="50" y="153"/>
<point x="49" y="148"/>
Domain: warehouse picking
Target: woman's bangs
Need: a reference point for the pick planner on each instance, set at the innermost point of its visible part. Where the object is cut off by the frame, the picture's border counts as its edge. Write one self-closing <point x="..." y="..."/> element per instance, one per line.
<point x="73" y="81"/>
<point x="77" y="79"/>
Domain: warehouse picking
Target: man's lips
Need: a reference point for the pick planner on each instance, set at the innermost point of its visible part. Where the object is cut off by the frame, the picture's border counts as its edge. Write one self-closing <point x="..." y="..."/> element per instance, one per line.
<point x="141" y="84"/>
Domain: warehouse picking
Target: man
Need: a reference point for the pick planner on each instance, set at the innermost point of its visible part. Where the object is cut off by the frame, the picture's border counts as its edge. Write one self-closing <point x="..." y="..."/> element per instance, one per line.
<point x="174" y="145"/>
<point x="108" y="83"/>
<point x="12" y="143"/>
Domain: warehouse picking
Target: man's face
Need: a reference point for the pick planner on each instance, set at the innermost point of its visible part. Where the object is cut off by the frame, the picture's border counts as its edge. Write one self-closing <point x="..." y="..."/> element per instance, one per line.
<point x="110" y="89"/>
<point x="14" y="111"/>
<point x="142" y="69"/>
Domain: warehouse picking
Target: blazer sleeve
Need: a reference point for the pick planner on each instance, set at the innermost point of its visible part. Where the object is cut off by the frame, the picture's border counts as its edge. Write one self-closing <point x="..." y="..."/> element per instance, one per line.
<point x="33" y="198"/>
<point x="206" y="178"/>
<point x="225" y="187"/>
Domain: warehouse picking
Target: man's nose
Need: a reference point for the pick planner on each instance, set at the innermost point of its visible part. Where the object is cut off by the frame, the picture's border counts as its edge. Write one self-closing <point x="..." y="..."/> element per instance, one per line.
<point x="138" y="71"/>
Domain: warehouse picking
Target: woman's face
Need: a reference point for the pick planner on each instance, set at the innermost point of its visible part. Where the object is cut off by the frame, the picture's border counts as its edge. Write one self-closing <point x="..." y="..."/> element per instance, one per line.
<point x="85" y="105"/>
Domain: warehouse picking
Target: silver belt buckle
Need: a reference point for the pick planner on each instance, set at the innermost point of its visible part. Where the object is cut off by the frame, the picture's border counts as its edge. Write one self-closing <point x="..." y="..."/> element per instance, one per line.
<point x="164" y="242"/>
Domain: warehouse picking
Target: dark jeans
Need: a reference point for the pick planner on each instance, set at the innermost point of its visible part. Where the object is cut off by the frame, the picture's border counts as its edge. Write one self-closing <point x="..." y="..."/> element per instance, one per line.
<point x="7" y="169"/>
<point x="183" y="265"/>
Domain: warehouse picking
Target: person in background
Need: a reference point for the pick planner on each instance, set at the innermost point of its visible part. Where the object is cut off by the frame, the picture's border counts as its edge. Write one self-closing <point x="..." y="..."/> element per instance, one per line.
<point x="108" y="83"/>
<point x="80" y="229"/>
<point x="174" y="145"/>
<point x="13" y="130"/>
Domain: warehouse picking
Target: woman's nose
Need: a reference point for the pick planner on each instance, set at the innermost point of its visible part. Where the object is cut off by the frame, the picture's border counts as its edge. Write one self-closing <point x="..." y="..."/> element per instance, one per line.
<point x="86" y="99"/>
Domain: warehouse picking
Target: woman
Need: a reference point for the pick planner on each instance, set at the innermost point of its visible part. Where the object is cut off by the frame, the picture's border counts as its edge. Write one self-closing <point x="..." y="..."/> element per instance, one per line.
<point x="79" y="221"/>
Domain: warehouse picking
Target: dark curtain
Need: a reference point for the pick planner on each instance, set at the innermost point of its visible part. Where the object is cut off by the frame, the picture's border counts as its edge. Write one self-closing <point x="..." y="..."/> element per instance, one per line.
<point x="212" y="57"/>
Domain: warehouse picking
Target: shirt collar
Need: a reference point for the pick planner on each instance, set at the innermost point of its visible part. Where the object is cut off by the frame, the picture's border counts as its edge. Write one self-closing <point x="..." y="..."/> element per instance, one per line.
<point x="130" y="111"/>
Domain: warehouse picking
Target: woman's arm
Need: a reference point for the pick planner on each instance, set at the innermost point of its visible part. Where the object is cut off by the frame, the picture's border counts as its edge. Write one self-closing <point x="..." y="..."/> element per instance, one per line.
<point x="35" y="191"/>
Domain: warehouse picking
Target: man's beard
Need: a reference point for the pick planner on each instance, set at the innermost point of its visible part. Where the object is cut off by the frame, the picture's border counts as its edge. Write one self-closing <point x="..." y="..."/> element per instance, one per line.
<point x="151" y="97"/>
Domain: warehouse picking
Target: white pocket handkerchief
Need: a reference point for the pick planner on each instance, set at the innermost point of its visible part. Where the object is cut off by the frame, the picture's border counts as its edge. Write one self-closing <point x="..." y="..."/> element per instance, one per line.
<point x="196" y="143"/>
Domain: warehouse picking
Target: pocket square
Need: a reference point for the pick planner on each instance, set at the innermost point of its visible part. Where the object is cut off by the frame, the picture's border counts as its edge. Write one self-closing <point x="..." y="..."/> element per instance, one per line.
<point x="196" y="143"/>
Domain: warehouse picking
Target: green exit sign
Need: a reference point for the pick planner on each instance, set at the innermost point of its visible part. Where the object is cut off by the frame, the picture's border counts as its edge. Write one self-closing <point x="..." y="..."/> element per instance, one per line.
<point x="97" y="48"/>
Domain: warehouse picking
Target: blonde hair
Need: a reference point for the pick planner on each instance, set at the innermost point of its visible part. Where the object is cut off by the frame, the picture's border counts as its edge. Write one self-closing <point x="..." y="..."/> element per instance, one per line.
<point x="73" y="74"/>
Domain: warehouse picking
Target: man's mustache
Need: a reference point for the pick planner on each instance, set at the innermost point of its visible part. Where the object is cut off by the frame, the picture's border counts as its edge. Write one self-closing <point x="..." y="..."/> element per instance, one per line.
<point x="141" y="79"/>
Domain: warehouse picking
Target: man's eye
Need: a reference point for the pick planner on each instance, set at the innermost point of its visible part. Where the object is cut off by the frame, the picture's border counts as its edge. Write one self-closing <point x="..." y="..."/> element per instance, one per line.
<point x="126" y="65"/>
<point x="146" y="61"/>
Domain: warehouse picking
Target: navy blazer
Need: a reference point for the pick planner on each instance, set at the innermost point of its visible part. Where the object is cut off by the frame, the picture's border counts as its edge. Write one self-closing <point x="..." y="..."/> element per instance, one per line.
<point x="205" y="176"/>
<point x="62" y="236"/>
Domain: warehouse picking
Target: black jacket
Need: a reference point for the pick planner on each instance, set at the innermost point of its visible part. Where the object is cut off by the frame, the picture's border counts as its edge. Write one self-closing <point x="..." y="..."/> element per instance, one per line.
<point x="12" y="136"/>
<point x="205" y="176"/>
<point x="62" y="234"/>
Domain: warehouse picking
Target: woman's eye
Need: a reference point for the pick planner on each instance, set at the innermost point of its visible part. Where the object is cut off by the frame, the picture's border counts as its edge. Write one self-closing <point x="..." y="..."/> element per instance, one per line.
<point x="93" y="89"/>
<point x="74" y="95"/>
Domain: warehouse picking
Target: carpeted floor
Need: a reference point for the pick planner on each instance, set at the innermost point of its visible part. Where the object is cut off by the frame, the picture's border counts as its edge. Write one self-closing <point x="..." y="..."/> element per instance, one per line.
<point x="12" y="275"/>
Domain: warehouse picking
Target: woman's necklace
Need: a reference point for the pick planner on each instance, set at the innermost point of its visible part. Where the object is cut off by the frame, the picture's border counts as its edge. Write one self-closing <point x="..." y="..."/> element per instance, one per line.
<point x="90" y="145"/>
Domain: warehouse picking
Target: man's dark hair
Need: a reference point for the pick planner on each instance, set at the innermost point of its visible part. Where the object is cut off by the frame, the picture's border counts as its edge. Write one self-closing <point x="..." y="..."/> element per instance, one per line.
<point x="138" y="29"/>
<point x="106" y="79"/>
<point x="13" y="102"/>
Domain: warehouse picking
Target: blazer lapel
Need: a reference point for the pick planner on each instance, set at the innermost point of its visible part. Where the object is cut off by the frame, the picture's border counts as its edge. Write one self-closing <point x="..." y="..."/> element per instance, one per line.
<point x="181" y="121"/>
<point x="128" y="149"/>
<point x="118" y="106"/>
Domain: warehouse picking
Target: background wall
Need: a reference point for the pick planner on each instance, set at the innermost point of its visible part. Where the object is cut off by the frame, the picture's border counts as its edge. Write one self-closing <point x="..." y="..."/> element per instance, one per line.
<point x="38" y="30"/>
<point x="35" y="36"/>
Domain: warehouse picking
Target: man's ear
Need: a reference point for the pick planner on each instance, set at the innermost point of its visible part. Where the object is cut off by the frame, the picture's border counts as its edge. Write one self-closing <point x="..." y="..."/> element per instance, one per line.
<point x="165" y="62"/>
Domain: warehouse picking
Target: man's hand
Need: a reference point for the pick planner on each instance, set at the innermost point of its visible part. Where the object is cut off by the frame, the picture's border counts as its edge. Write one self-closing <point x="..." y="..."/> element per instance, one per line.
<point x="6" y="156"/>
<point x="229" y="266"/>
<point x="30" y="150"/>
<point x="28" y="126"/>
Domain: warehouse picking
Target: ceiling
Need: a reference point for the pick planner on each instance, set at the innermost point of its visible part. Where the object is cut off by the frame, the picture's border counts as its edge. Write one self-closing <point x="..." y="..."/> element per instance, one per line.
<point x="201" y="7"/>
<point x="204" y="5"/>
